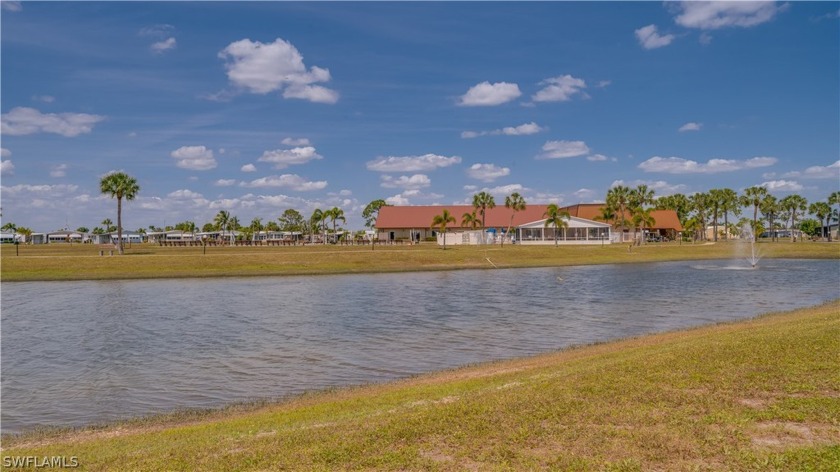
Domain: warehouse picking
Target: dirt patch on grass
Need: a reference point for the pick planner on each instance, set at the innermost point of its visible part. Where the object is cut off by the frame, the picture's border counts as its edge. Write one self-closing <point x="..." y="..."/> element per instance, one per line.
<point x="787" y="434"/>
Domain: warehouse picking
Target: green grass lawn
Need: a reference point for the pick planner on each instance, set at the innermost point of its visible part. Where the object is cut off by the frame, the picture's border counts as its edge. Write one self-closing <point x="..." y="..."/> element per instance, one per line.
<point x="77" y="262"/>
<point x="762" y="394"/>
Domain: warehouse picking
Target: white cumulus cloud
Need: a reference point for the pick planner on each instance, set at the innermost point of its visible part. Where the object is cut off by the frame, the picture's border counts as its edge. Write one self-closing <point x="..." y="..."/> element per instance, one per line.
<point x="194" y="158"/>
<point x="164" y="45"/>
<point x="425" y="162"/>
<point x="831" y="171"/>
<point x="282" y="158"/>
<point x="414" y="182"/>
<point x="225" y="182"/>
<point x="559" y="89"/>
<point x="521" y="130"/>
<point x="487" y="172"/>
<point x="690" y="126"/>
<point x="291" y="181"/>
<point x="487" y="94"/>
<point x="248" y="168"/>
<point x="6" y="167"/>
<point x="715" y="15"/>
<point x="678" y="165"/>
<point x="782" y="185"/>
<point x="563" y="149"/>
<point x="262" y="68"/>
<point x="650" y="38"/>
<point x="24" y="120"/>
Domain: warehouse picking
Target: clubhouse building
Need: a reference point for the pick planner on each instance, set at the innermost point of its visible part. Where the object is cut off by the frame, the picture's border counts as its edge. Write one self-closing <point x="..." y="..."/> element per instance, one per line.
<point x="413" y="223"/>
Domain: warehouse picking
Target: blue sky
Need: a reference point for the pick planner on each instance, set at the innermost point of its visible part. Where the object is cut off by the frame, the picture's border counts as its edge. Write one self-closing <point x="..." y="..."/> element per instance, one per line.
<point x="254" y="108"/>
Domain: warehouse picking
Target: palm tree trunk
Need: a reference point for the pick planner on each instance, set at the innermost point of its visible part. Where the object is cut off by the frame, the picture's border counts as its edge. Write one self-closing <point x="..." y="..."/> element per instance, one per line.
<point x="119" y="226"/>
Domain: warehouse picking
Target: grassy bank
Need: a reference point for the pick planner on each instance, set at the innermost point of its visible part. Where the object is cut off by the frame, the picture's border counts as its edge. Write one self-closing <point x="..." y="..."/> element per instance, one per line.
<point x="762" y="394"/>
<point x="79" y="262"/>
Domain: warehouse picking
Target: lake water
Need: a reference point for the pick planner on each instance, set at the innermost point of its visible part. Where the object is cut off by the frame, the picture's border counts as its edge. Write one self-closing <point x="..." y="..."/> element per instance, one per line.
<point x="75" y="353"/>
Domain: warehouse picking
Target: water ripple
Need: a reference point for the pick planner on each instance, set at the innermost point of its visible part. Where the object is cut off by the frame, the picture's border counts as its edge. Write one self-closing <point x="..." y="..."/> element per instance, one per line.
<point x="80" y="352"/>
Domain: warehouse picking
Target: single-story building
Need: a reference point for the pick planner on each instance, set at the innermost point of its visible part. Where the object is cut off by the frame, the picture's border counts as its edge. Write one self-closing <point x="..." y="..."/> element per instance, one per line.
<point x="413" y="223"/>
<point x="128" y="237"/>
<point x="65" y="236"/>
<point x="578" y="231"/>
<point x="37" y="238"/>
<point x="7" y="237"/>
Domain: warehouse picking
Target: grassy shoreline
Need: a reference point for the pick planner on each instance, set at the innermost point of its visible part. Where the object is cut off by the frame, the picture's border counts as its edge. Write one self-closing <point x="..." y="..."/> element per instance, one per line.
<point x="763" y="393"/>
<point x="82" y="262"/>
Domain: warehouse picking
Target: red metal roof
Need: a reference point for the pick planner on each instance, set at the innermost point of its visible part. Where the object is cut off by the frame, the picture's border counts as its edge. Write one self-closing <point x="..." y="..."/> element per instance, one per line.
<point x="416" y="217"/>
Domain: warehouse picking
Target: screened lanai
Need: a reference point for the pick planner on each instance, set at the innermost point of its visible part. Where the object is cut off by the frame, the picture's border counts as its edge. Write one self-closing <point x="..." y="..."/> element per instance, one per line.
<point x="579" y="231"/>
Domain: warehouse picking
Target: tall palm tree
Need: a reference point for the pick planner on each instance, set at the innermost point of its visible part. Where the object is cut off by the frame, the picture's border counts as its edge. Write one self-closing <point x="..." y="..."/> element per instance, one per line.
<point x="221" y="220"/>
<point x="440" y="221"/>
<point x="833" y="199"/>
<point x="335" y="213"/>
<point x="108" y="224"/>
<point x="556" y="218"/>
<point x="793" y="204"/>
<point x="618" y="197"/>
<point x="256" y="226"/>
<point x="770" y="208"/>
<point x="822" y="211"/>
<point x="715" y="199"/>
<point x="752" y="197"/>
<point x="514" y="202"/>
<point x="639" y="198"/>
<point x="315" y="223"/>
<point x="481" y="202"/>
<point x="700" y="205"/>
<point x="728" y="201"/>
<point x="121" y="186"/>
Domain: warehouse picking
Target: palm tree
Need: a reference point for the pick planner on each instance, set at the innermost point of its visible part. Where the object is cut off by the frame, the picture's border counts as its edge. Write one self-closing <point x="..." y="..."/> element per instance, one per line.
<point x="700" y="205"/>
<point x="770" y="208"/>
<point x="25" y="232"/>
<point x="108" y="224"/>
<point x="556" y="218"/>
<point x="440" y="221"/>
<point x="256" y="226"/>
<point x="516" y="203"/>
<point x="470" y="220"/>
<point x="119" y="185"/>
<point x="752" y="197"/>
<point x="335" y="213"/>
<point x="793" y="204"/>
<point x="639" y="198"/>
<point x="618" y="198"/>
<point x="221" y="220"/>
<point x="11" y="227"/>
<point x="728" y="201"/>
<point x="822" y="211"/>
<point x="481" y="202"/>
<point x="315" y="220"/>
<point x="833" y="199"/>
<point x="643" y="219"/>
<point x="715" y="201"/>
